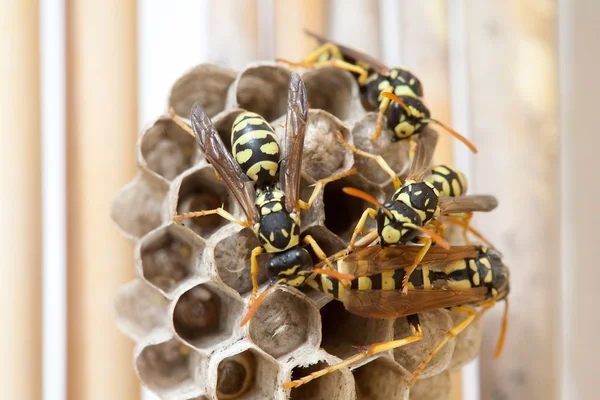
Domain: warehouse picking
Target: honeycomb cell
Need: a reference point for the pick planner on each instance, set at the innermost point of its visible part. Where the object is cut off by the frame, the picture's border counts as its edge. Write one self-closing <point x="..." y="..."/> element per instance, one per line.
<point x="337" y="385"/>
<point x="329" y="89"/>
<point x="202" y="190"/>
<point x="435" y="324"/>
<point x="468" y="342"/>
<point x="140" y="309"/>
<point x="136" y="209"/>
<point x="242" y="373"/>
<point x="435" y="388"/>
<point x="315" y="215"/>
<point x="206" y="315"/>
<point x="343" y="211"/>
<point x="232" y="253"/>
<point x="167" y="150"/>
<point x="284" y="322"/>
<point x="344" y="333"/>
<point x="381" y="379"/>
<point x="263" y="89"/>
<point x="206" y="84"/>
<point x="169" y="256"/>
<point x="165" y="368"/>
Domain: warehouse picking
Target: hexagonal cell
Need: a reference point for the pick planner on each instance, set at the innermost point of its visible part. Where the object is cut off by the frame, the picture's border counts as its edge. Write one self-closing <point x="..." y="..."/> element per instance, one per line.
<point x="263" y="89"/>
<point x="468" y="342"/>
<point x="381" y="379"/>
<point x="206" y="84"/>
<point x="343" y="331"/>
<point x="136" y="208"/>
<point x="140" y="309"/>
<point x="329" y="89"/>
<point x="165" y="368"/>
<point x="435" y="388"/>
<point x="206" y="315"/>
<point x="167" y="150"/>
<point x="232" y="254"/>
<point x="169" y="256"/>
<point x="315" y="215"/>
<point x="337" y="385"/>
<point x="284" y="322"/>
<point x="342" y="220"/>
<point x="435" y="324"/>
<point x="202" y="190"/>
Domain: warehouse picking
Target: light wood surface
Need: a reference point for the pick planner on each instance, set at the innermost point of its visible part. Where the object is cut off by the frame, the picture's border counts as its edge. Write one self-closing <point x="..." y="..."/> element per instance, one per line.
<point x="514" y="110"/>
<point x="102" y="129"/>
<point x="291" y="17"/>
<point x="20" y="180"/>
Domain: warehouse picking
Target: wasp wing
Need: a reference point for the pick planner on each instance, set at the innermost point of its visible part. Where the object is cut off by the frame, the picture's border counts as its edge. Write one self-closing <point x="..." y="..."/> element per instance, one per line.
<point x="293" y="143"/>
<point x="352" y="55"/>
<point x="386" y="304"/>
<point x="375" y="259"/>
<point x="220" y="158"/>
<point x="469" y="203"/>
<point x="420" y="163"/>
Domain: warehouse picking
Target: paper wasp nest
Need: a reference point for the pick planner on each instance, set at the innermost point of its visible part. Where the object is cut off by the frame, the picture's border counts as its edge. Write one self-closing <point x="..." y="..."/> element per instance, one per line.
<point x="193" y="282"/>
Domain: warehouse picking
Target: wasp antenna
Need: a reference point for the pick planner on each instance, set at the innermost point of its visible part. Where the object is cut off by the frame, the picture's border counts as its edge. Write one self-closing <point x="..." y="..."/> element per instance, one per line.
<point x="397" y="99"/>
<point x="334" y="274"/>
<point x="180" y="122"/>
<point x="438" y="239"/>
<point x="451" y="131"/>
<point x="254" y="306"/>
<point x="500" y="344"/>
<point x="367" y="197"/>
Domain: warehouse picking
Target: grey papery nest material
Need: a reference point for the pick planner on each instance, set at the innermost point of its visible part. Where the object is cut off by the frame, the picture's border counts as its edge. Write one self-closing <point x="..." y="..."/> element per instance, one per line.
<point x="193" y="284"/>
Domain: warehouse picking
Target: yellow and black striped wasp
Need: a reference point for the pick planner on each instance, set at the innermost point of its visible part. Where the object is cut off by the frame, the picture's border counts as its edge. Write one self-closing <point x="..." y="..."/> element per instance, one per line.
<point x="264" y="182"/>
<point x="396" y="92"/>
<point x="459" y="279"/>
<point x="417" y="204"/>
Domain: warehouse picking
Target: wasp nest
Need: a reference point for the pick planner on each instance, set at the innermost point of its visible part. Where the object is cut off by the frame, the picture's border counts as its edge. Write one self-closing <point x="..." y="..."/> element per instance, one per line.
<point x="185" y="307"/>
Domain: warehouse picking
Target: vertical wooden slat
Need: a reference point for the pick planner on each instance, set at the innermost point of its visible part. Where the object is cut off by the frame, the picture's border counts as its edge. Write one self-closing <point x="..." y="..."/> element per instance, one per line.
<point x="233" y="32"/>
<point x="291" y="18"/>
<point x="20" y="177"/>
<point x="580" y="86"/>
<point x="512" y="62"/>
<point x="424" y="50"/>
<point x="355" y="23"/>
<point x="102" y="129"/>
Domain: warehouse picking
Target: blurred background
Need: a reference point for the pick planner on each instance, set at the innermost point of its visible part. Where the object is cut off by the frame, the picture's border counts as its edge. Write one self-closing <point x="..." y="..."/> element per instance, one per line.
<point x="80" y="78"/>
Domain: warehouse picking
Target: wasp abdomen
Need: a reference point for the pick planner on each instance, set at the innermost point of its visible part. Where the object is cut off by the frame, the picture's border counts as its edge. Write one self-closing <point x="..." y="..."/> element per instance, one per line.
<point x="255" y="147"/>
<point x="448" y="181"/>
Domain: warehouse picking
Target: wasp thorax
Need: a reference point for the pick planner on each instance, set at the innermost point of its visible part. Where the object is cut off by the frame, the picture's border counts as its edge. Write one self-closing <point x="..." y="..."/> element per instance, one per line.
<point x="448" y="181"/>
<point x="255" y="147"/>
<point x="277" y="229"/>
<point x="392" y="228"/>
<point x="406" y="121"/>
<point x="405" y="83"/>
<point x="421" y="196"/>
<point x="289" y="264"/>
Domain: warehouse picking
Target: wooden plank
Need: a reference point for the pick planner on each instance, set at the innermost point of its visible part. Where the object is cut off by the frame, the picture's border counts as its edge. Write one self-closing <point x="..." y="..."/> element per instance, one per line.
<point x="291" y="17"/>
<point x="579" y="58"/>
<point x="513" y="92"/>
<point x="20" y="176"/>
<point x="233" y="32"/>
<point x="101" y="134"/>
<point x="355" y="23"/>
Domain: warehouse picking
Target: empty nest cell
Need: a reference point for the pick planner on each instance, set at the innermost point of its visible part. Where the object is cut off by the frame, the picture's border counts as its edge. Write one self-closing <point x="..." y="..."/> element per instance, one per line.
<point x="329" y="89"/>
<point x="206" y="315"/>
<point x="333" y="386"/>
<point x="284" y="322"/>
<point x="263" y="89"/>
<point x="435" y="388"/>
<point x="169" y="257"/>
<point x="381" y="379"/>
<point x="168" y="150"/>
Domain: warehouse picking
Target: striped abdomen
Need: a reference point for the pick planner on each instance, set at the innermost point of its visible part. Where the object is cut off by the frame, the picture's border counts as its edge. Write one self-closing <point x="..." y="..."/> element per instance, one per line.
<point x="448" y="181"/>
<point x="255" y="147"/>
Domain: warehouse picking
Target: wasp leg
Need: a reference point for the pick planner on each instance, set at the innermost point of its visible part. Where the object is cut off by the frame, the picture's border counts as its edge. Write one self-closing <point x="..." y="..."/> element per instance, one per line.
<point x="417" y="334"/>
<point x="458" y="328"/>
<point x="318" y="250"/>
<point x="220" y="211"/>
<point x="254" y="271"/>
<point x="312" y="58"/>
<point x="369" y="212"/>
<point x="319" y="185"/>
<point x="464" y="222"/>
<point x="383" y="106"/>
<point x="382" y="163"/>
<point x="180" y="122"/>
<point x="420" y="255"/>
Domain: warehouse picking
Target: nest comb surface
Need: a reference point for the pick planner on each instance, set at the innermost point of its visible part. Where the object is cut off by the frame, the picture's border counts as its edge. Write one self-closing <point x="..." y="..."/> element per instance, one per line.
<point x="184" y="309"/>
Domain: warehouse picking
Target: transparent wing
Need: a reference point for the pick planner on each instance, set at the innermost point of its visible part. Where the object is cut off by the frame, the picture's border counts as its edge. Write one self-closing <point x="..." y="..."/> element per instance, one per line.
<point x="469" y="203"/>
<point x="293" y="143"/>
<point x="220" y="158"/>
<point x="419" y="166"/>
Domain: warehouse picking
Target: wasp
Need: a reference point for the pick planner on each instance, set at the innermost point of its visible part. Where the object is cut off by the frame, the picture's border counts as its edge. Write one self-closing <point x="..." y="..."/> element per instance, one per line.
<point x="265" y="180"/>
<point x="459" y="279"/>
<point x="418" y="203"/>
<point x="396" y="92"/>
